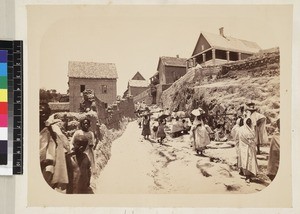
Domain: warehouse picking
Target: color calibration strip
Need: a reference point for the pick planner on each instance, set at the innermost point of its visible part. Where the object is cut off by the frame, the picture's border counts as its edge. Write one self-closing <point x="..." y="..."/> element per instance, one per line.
<point x="3" y="107"/>
<point x="13" y="132"/>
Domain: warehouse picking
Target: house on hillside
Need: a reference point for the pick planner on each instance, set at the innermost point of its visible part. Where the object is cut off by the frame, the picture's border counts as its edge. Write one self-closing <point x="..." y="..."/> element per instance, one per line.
<point x="169" y="69"/>
<point x="99" y="77"/>
<point x="216" y="49"/>
<point x="137" y="85"/>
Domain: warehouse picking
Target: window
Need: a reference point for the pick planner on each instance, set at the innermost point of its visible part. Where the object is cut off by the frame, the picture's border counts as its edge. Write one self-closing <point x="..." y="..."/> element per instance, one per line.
<point x="104" y="89"/>
<point x="82" y="88"/>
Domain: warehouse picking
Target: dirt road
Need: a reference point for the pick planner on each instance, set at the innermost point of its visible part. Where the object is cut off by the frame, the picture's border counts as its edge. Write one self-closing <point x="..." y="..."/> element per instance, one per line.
<point x="144" y="166"/>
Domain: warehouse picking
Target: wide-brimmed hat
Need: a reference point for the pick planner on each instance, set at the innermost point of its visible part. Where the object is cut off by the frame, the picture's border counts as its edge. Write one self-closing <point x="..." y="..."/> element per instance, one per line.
<point x="251" y="106"/>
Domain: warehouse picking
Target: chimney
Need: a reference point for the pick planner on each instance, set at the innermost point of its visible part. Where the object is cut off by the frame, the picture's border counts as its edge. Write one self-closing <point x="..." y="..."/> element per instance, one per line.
<point x="221" y="30"/>
<point x="177" y="56"/>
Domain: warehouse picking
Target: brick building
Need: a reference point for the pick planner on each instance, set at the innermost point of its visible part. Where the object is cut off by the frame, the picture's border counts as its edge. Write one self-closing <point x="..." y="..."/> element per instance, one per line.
<point x="215" y="49"/>
<point x="99" y="77"/>
<point x="169" y="69"/>
<point x="137" y="85"/>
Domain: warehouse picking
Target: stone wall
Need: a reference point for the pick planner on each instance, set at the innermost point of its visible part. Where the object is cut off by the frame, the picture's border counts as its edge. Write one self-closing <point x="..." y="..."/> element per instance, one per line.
<point x="159" y="91"/>
<point x="266" y="63"/>
<point x="113" y="114"/>
<point x="144" y="96"/>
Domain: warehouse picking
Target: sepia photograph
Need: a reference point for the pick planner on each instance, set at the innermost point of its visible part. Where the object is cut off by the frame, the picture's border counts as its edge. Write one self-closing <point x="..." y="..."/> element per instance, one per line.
<point x="160" y="100"/>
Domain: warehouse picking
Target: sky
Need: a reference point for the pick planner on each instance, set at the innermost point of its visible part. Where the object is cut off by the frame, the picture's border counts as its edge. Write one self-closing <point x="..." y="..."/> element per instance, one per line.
<point x="134" y="37"/>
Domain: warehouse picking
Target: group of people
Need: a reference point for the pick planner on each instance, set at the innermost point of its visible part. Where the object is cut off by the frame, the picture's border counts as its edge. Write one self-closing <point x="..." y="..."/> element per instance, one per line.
<point x="249" y="133"/>
<point x="67" y="165"/>
<point x="159" y="130"/>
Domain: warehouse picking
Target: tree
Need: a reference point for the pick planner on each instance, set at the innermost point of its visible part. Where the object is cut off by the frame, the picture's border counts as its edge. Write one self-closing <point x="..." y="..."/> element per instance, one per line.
<point x="45" y="96"/>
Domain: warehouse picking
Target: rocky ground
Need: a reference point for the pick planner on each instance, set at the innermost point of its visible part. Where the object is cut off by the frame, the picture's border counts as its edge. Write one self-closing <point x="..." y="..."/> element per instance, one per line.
<point x="144" y="166"/>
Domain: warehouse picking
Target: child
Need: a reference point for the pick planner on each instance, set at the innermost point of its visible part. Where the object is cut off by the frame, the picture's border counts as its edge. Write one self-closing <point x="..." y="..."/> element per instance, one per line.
<point x="160" y="134"/>
<point x="220" y="133"/>
<point x="186" y="127"/>
<point x="139" y="120"/>
<point x="79" y="167"/>
<point x="146" y="127"/>
<point x="85" y="125"/>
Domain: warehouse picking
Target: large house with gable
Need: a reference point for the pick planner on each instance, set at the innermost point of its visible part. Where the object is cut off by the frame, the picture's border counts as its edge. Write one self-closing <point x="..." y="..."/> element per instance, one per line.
<point x="215" y="49"/>
<point x="99" y="77"/>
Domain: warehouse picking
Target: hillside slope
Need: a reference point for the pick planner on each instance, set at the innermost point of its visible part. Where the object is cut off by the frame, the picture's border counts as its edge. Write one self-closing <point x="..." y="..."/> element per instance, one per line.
<point x="254" y="79"/>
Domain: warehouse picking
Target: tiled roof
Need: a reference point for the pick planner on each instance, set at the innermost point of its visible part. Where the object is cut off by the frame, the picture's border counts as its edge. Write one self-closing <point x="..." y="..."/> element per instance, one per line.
<point x="55" y="106"/>
<point x="93" y="70"/>
<point x="138" y="83"/>
<point x="173" y="61"/>
<point x="230" y="43"/>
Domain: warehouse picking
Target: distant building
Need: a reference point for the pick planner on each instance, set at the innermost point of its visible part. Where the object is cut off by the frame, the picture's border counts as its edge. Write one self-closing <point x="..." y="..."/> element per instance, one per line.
<point x="169" y="69"/>
<point x="59" y="107"/>
<point x="138" y="76"/>
<point x="216" y="49"/>
<point x="99" y="77"/>
<point x="137" y="85"/>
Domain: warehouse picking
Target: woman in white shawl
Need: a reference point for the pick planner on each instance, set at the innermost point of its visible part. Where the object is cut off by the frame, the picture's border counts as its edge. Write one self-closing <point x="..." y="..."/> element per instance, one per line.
<point x="200" y="135"/>
<point x="53" y="146"/>
<point x="235" y="137"/>
<point x="259" y="126"/>
<point x="247" y="150"/>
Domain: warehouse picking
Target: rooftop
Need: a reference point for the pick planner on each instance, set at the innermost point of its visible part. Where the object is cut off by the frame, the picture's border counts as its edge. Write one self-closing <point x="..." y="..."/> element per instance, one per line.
<point x="56" y="106"/>
<point x="229" y="43"/>
<point x="173" y="61"/>
<point x="93" y="70"/>
<point x="138" y="83"/>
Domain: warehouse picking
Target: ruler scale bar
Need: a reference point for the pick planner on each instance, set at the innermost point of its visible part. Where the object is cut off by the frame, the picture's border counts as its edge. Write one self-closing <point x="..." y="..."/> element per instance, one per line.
<point x="18" y="107"/>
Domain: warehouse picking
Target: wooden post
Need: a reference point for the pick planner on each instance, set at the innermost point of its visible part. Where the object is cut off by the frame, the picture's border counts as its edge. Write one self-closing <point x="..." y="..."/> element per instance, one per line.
<point x="227" y="56"/>
<point x="240" y="56"/>
<point x="214" y="56"/>
<point x="204" y="57"/>
<point x="194" y="62"/>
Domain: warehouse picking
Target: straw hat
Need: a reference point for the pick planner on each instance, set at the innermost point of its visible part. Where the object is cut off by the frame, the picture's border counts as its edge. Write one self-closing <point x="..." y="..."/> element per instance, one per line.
<point x="251" y="106"/>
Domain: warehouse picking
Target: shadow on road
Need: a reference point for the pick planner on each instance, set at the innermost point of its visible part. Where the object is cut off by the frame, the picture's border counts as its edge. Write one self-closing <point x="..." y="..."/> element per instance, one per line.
<point x="153" y="141"/>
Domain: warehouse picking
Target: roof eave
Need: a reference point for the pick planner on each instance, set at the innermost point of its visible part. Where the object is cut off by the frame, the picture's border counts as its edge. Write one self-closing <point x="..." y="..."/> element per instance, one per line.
<point x="233" y="50"/>
<point x="197" y="43"/>
<point x="182" y="66"/>
<point x="200" y="53"/>
<point x="111" y="78"/>
<point x="159" y="61"/>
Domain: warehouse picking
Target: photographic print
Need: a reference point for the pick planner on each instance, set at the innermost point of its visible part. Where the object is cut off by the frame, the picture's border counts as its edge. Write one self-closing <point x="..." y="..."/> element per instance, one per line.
<point x="159" y="100"/>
